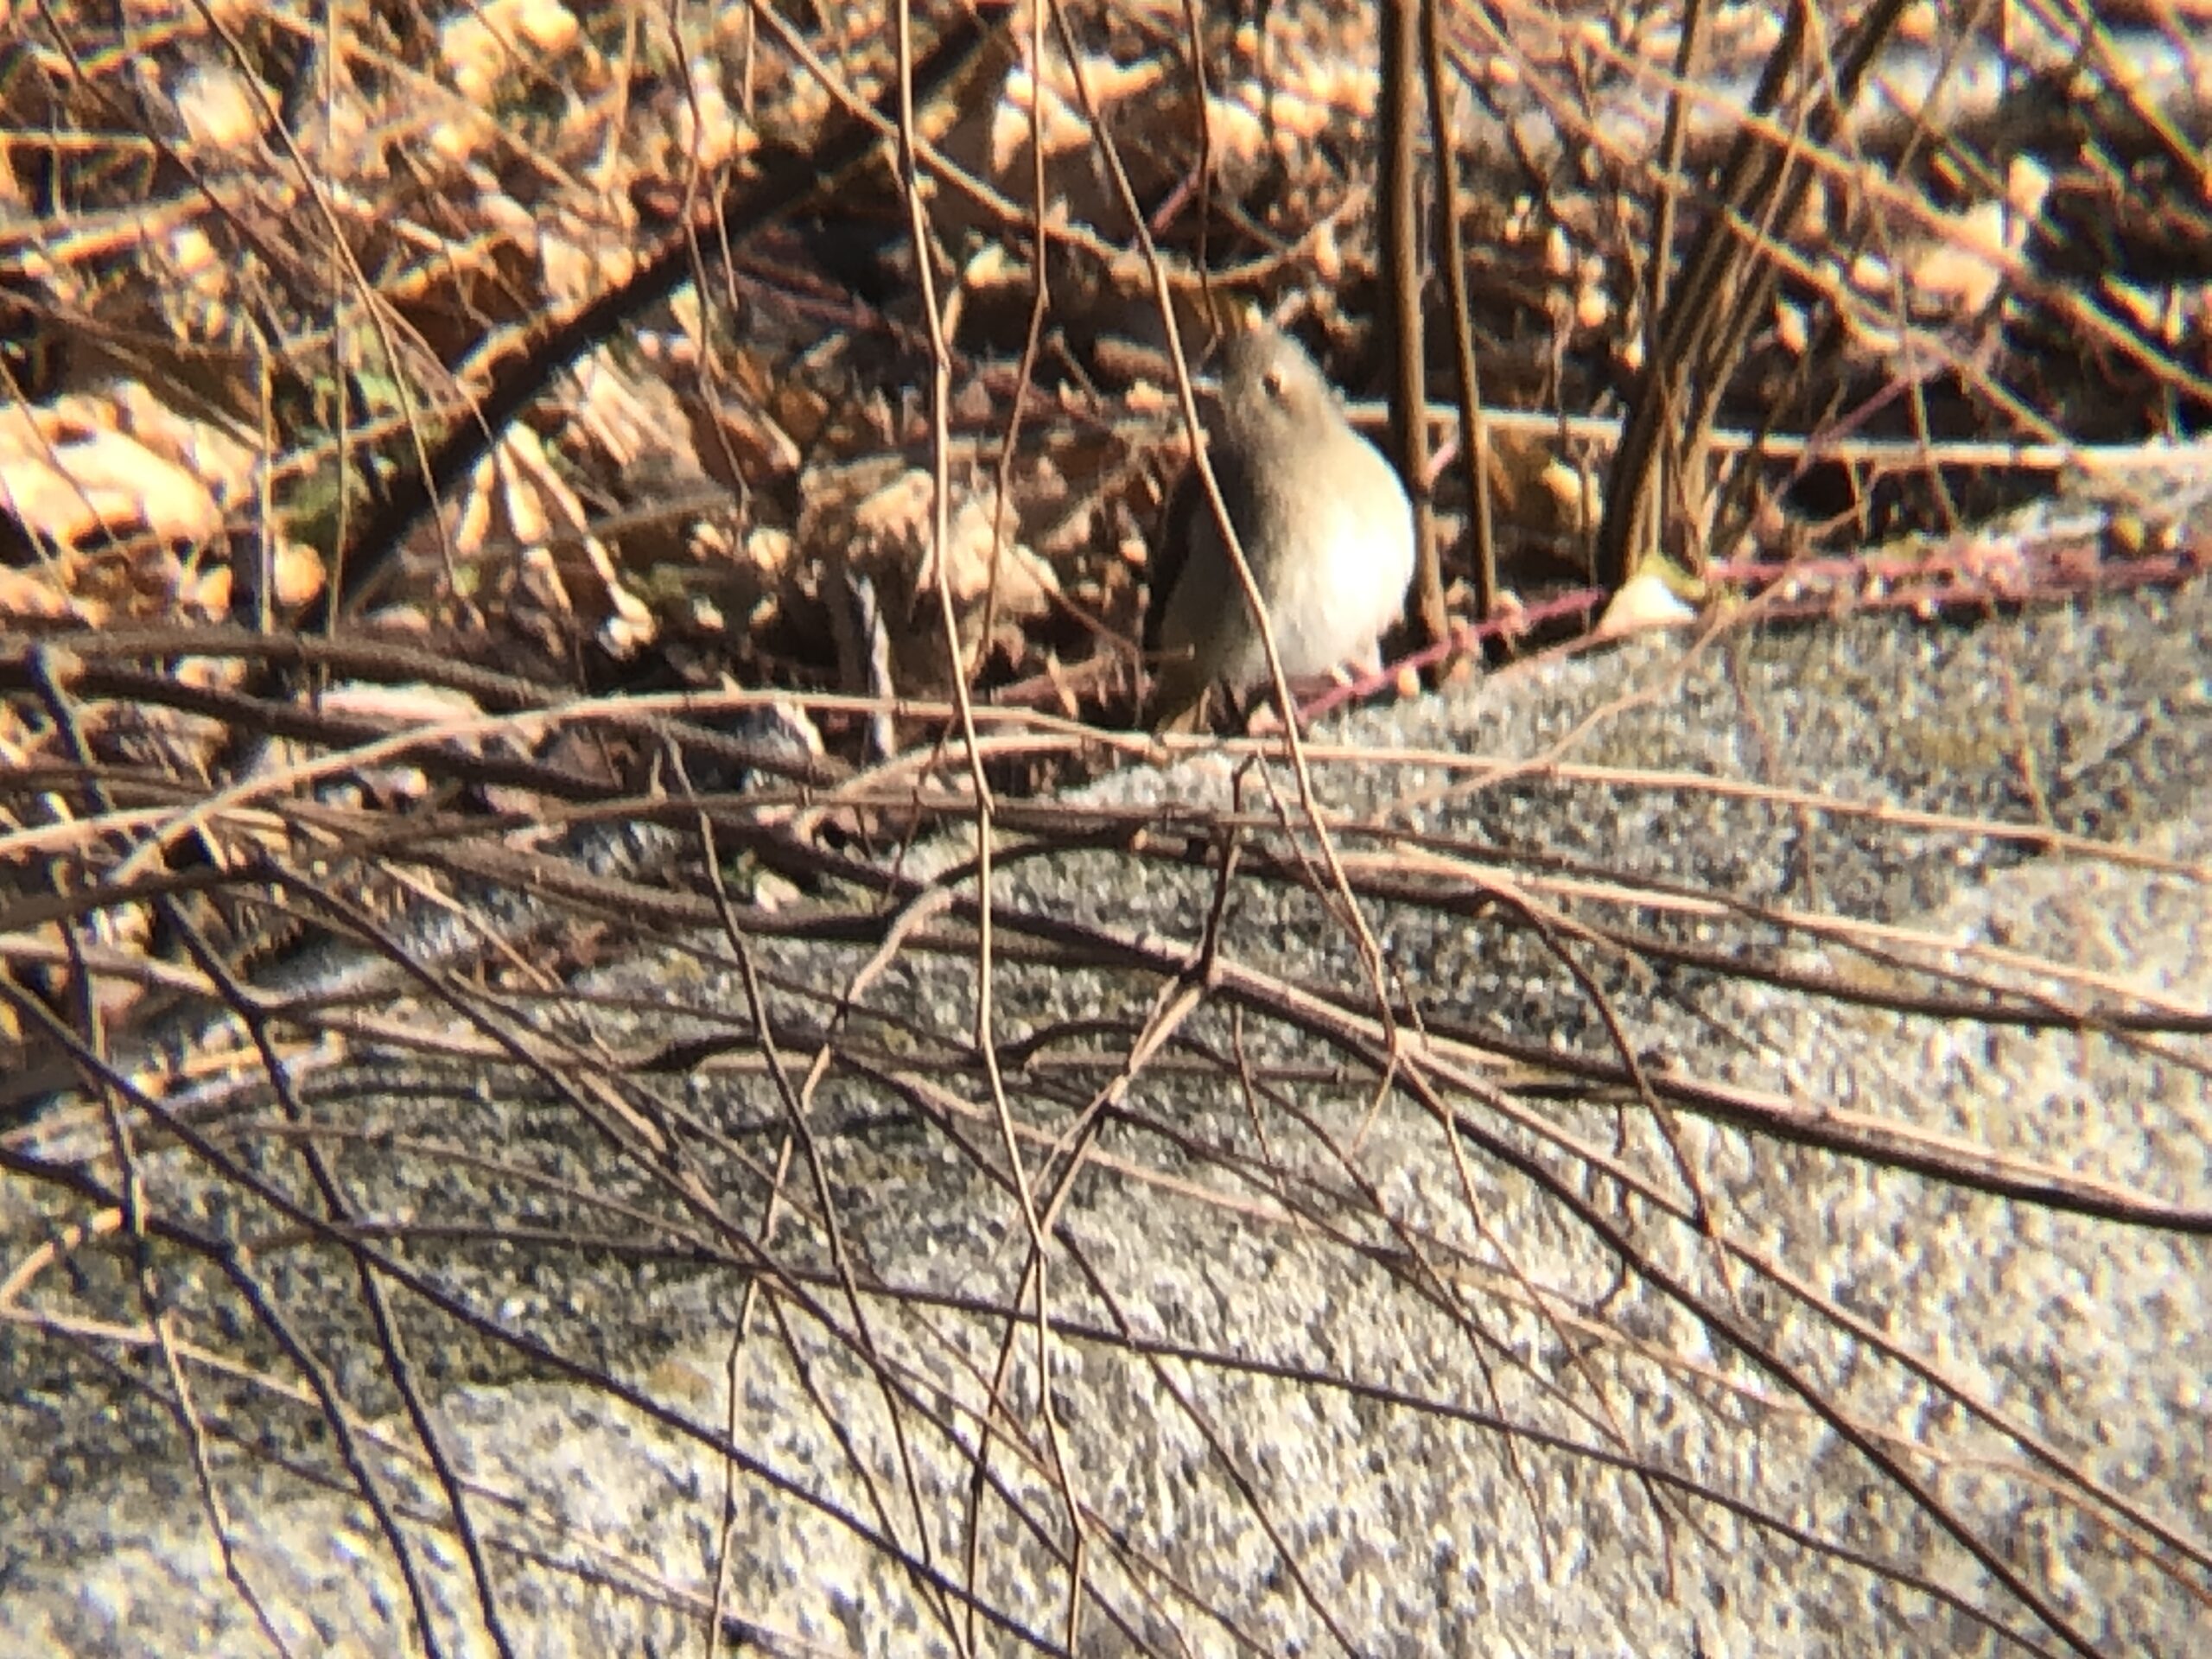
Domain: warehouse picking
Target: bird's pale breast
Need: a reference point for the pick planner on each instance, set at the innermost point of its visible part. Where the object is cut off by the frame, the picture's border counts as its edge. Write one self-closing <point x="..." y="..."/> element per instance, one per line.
<point x="1355" y="560"/>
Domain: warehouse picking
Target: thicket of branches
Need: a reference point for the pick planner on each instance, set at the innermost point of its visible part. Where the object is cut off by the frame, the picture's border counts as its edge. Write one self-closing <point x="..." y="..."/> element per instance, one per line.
<point x="487" y="492"/>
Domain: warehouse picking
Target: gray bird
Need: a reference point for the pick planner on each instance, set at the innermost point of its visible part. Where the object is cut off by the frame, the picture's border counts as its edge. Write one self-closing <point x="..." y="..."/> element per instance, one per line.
<point x="1323" y="520"/>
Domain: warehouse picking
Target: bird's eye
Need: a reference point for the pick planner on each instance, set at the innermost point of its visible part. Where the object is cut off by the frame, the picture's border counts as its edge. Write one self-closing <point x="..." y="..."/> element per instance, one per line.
<point x="1275" y="385"/>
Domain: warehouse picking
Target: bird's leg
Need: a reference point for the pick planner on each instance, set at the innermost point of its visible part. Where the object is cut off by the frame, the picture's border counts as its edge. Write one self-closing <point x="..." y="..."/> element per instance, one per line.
<point x="1365" y="668"/>
<point x="1262" y="721"/>
<point x="1259" y="717"/>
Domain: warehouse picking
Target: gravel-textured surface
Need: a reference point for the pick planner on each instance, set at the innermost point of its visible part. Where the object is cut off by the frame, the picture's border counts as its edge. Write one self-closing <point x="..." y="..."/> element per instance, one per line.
<point x="1303" y="1455"/>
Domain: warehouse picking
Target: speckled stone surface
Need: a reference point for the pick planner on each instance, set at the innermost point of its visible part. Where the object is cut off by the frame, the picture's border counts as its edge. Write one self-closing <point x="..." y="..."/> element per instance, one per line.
<point x="1293" y="1312"/>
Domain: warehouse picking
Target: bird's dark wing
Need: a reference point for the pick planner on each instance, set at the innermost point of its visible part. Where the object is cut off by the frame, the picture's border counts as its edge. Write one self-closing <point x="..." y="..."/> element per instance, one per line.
<point x="1171" y="550"/>
<point x="1171" y="547"/>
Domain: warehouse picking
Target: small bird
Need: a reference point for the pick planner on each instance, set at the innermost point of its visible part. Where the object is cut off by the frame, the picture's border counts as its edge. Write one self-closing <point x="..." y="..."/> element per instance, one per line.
<point x="1322" y="518"/>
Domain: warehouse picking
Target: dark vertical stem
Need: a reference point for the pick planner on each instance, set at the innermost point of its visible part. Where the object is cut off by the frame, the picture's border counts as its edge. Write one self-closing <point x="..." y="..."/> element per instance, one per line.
<point x="1402" y="275"/>
<point x="1474" y="435"/>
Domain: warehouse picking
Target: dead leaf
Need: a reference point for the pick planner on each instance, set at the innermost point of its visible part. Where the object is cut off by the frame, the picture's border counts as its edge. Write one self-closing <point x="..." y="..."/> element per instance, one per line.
<point x="63" y="490"/>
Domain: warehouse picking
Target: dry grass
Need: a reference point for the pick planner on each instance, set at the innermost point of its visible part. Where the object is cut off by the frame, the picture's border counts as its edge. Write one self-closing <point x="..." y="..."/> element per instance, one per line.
<point x="489" y="493"/>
